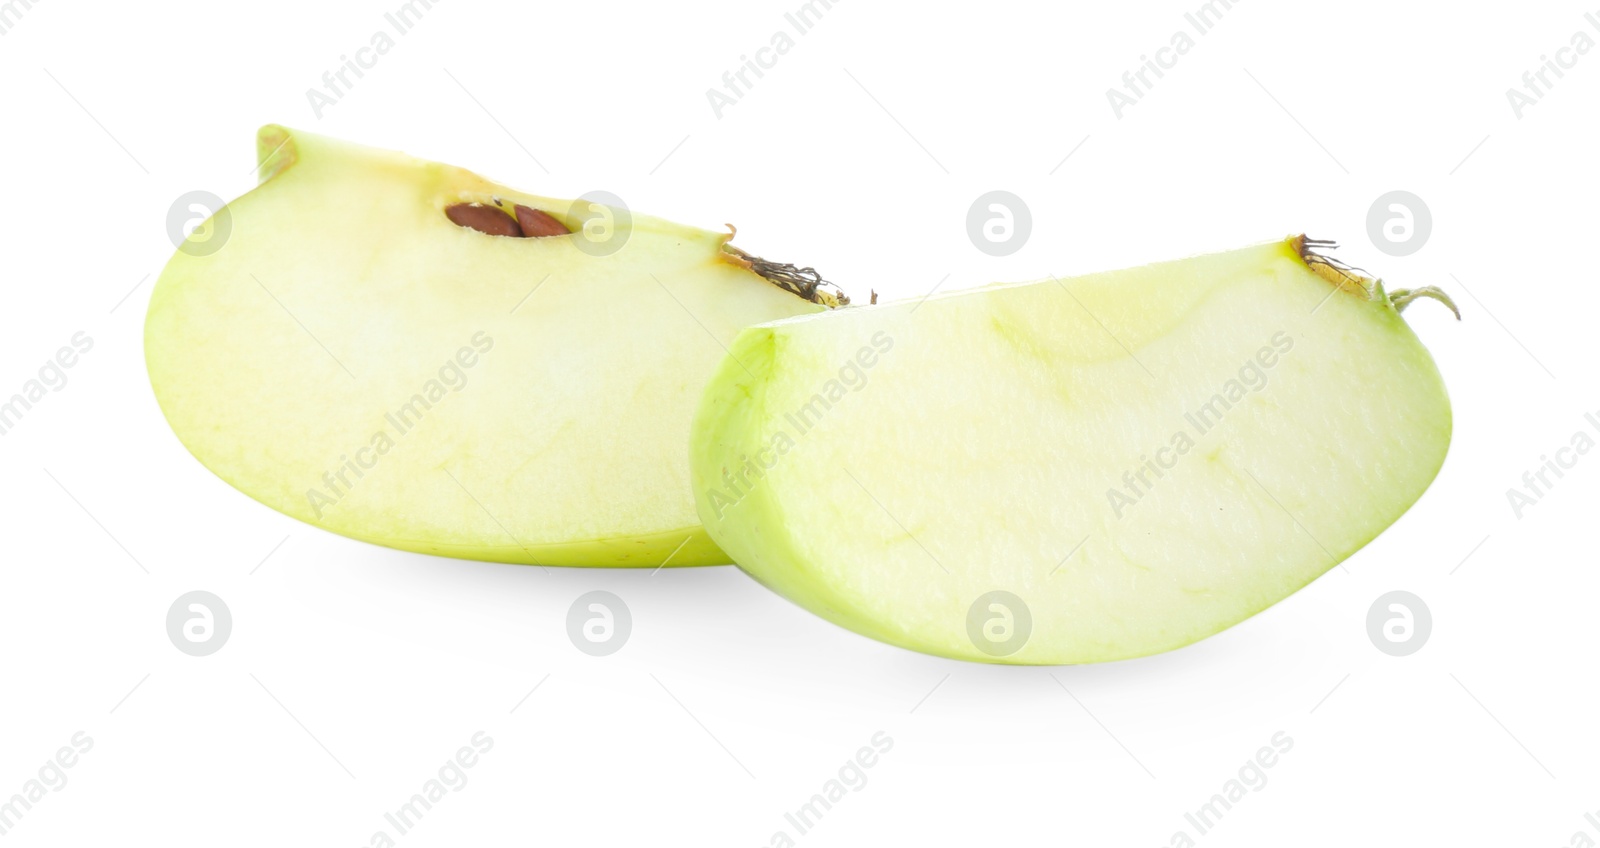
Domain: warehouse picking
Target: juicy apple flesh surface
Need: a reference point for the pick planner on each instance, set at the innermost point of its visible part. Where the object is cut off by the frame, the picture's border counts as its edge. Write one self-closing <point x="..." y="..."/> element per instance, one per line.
<point x="353" y="358"/>
<point x="1137" y="459"/>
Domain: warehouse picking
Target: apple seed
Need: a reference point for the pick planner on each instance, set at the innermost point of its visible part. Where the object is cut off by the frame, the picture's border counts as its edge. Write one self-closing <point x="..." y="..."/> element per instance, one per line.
<point x="484" y="219"/>
<point x="537" y="224"/>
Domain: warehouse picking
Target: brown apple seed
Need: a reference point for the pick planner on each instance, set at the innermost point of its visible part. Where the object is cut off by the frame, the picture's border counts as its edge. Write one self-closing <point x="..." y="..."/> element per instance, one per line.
<point x="484" y="219"/>
<point x="537" y="224"/>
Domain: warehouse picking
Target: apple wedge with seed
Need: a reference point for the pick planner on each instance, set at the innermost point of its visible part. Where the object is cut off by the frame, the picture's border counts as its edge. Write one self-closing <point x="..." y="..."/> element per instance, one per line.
<point x="406" y="353"/>
<point x="1072" y="470"/>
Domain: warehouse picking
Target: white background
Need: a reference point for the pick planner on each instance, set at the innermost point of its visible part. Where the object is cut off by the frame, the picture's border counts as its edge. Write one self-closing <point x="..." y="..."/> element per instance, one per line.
<point x="353" y="672"/>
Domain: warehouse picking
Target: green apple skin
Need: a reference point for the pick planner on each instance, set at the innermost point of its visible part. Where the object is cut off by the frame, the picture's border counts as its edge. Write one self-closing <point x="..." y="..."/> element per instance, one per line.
<point x="557" y="385"/>
<point x="887" y="467"/>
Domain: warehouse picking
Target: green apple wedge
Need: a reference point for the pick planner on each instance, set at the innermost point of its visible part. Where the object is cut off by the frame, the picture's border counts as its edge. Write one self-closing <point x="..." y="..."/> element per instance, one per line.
<point x="1072" y="470"/>
<point x="403" y="352"/>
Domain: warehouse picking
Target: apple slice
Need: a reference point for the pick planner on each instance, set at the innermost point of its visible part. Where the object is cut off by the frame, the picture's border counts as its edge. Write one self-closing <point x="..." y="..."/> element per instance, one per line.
<point x="406" y="353"/>
<point x="1075" y="470"/>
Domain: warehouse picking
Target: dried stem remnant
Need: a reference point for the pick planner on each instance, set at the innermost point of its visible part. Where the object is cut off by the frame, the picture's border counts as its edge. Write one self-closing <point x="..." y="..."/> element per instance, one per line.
<point x="1344" y="276"/>
<point x="801" y="282"/>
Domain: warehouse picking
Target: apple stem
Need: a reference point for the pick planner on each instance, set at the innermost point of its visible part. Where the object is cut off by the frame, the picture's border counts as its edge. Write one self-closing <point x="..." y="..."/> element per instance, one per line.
<point x="1341" y="275"/>
<point x="1401" y="298"/>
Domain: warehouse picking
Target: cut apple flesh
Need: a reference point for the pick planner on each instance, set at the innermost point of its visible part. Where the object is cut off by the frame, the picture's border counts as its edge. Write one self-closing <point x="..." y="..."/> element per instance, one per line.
<point x="361" y="355"/>
<point x="1072" y="470"/>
